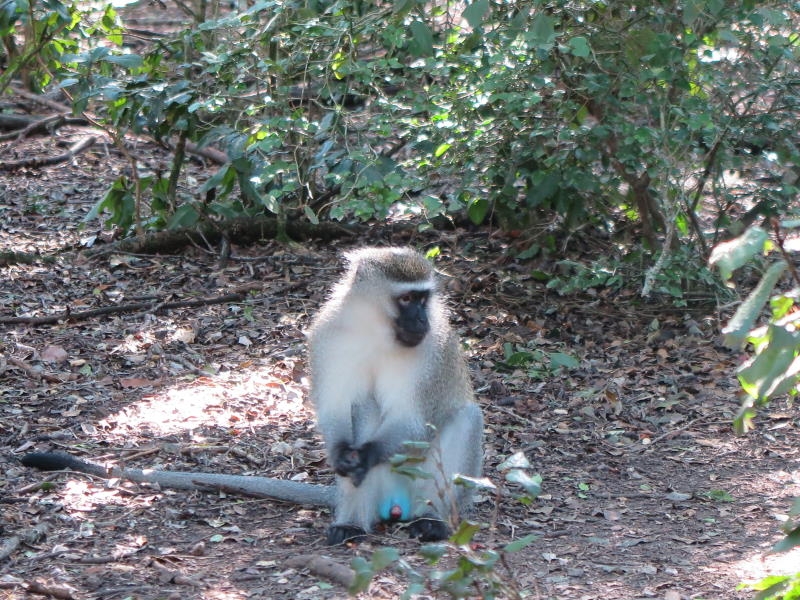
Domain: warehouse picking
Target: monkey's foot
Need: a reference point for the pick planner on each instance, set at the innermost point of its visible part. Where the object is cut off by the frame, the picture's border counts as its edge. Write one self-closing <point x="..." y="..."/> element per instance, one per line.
<point x="340" y="534"/>
<point x="428" y="529"/>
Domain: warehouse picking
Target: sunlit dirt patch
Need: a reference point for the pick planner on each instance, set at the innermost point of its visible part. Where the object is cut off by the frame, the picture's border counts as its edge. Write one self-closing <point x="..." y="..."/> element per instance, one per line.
<point x="760" y="565"/>
<point x="230" y="400"/>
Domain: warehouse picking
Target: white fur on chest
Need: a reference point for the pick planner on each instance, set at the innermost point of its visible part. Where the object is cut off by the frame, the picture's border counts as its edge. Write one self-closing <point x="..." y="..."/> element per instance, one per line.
<point x="370" y="364"/>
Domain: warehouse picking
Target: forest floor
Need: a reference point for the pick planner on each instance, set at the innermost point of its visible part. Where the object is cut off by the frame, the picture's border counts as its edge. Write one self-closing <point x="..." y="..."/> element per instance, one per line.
<point x="647" y="492"/>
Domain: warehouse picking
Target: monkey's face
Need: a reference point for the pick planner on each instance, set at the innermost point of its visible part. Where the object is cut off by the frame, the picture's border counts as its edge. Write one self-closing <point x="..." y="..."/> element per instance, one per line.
<point x="411" y="324"/>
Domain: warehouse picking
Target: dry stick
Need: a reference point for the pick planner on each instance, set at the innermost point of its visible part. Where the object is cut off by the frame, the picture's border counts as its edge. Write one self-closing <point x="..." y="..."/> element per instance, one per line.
<point x="43" y="125"/>
<point x="54" y="590"/>
<point x="324" y="567"/>
<point x="52" y="104"/>
<point x="123" y="308"/>
<point x="31" y="372"/>
<point x="102" y="560"/>
<point x="73" y="151"/>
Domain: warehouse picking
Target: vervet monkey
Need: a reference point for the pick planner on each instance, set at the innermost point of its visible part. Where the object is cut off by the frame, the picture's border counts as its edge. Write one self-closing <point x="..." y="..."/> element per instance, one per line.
<point x="385" y="368"/>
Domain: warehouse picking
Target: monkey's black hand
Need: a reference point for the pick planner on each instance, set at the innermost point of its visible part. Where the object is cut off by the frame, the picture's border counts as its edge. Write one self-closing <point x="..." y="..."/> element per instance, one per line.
<point x="428" y="529"/>
<point x="355" y="463"/>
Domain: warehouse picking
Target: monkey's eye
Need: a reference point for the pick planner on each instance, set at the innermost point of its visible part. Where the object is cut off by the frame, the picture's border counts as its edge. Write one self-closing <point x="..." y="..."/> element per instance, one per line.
<point x="405" y="300"/>
<point x="409" y="298"/>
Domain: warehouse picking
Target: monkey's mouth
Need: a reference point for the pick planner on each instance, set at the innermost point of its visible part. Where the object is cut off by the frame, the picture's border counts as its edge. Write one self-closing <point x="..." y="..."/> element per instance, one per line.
<point x="409" y="339"/>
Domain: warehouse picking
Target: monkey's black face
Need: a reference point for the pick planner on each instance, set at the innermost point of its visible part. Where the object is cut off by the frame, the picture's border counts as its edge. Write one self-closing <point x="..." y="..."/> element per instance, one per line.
<point x="411" y="325"/>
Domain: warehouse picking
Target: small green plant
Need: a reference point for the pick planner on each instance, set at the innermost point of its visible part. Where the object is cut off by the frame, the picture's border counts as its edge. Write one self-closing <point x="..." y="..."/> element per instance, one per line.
<point x="781" y="587"/>
<point x="774" y="366"/>
<point x="459" y="567"/>
<point x="718" y="496"/>
<point x="538" y="363"/>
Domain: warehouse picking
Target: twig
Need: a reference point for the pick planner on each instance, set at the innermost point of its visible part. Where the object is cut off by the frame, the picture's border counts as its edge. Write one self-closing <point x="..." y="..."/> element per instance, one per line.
<point x="37" y="161"/>
<point x="62" y="592"/>
<point x="324" y="567"/>
<point x="125" y="308"/>
<point x="52" y="104"/>
<point x="43" y="125"/>
<point x="31" y="372"/>
<point x="102" y="560"/>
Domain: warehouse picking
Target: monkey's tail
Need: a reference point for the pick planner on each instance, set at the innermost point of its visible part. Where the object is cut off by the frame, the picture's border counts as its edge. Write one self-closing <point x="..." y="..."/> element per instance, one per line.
<point x="246" y="485"/>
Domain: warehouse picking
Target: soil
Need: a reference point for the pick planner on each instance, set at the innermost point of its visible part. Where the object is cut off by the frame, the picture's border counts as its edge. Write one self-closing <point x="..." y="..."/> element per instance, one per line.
<point x="646" y="491"/>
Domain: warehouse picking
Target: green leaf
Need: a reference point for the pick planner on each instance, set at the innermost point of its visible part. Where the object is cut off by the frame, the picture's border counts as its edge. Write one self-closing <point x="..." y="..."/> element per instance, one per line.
<point x="311" y="215"/>
<point x="216" y="179"/>
<point x="521" y="543"/>
<point x="542" y="31"/>
<point x="129" y="61"/>
<point x="531" y="483"/>
<point x="475" y="13"/>
<point x="559" y="359"/>
<point x="477" y="209"/>
<point x="474" y="483"/>
<point x="774" y="371"/>
<point x="579" y="46"/>
<point x="383" y="557"/>
<point x="441" y="149"/>
<point x="729" y="256"/>
<point x="412" y="472"/>
<point x="363" y="571"/>
<point x="433" y="552"/>
<point x="422" y="39"/>
<point x="738" y="328"/>
<point x="465" y="532"/>
<point x="792" y="540"/>
<point x="185" y="216"/>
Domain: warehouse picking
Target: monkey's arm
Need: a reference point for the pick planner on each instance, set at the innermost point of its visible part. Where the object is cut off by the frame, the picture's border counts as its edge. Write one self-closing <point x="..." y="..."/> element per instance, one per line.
<point x="262" y="487"/>
<point x="389" y="439"/>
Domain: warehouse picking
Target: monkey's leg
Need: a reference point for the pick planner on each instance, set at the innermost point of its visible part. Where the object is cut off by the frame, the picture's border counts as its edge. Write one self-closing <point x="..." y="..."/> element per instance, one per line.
<point x="458" y="451"/>
<point x="357" y="508"/>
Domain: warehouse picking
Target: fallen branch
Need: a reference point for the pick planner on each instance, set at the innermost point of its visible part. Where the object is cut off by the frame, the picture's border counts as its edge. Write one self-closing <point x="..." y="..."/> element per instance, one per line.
<point x="244" y="230"/>
<point x="8" y="257"/>
<point x="324" y="567"/>
<point x="36" y="534"/>
<point x="60" y="591"/>
<point x="110" y="558"/>
<point x="22" y="127"/>
<point x="167" y="575"/>
<point x="31" y="371"/>
<point x="38" y="161"/>
<point x="43" y="100"/>
<point x="155" y="306"/>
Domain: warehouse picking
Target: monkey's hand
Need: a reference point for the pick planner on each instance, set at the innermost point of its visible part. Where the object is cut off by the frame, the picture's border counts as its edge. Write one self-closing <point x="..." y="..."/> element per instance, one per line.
<point x="355" y="463"/>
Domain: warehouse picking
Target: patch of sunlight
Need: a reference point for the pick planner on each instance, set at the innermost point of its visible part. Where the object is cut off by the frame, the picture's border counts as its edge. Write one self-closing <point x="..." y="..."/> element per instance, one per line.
<point x="757" y="567"/>
<point x="251" y="397"/>
<point x="220" y="595"/>
<point x="83" y="496"/>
